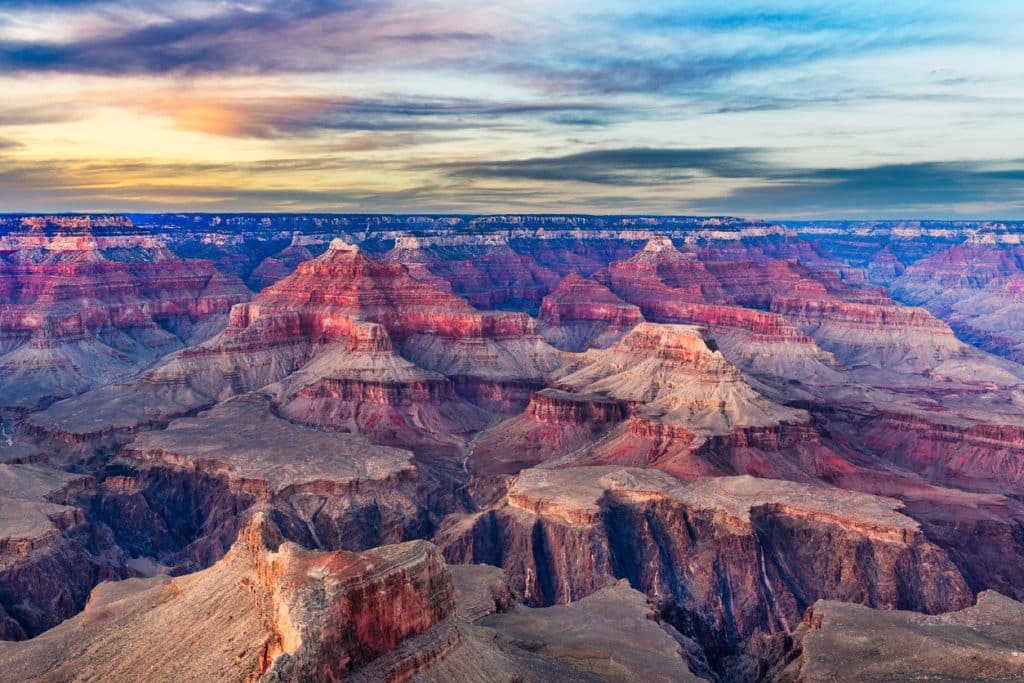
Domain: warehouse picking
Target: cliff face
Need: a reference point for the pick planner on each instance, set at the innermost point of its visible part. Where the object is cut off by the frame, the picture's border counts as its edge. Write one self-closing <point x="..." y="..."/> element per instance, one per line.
<point x="180" y="495"/>
<point x="341" y="320"/>
<point x="50" y="554"/>
<point x="497" y="277"/>
<point x="730" y="560"/>
<point x="737" y="424"/>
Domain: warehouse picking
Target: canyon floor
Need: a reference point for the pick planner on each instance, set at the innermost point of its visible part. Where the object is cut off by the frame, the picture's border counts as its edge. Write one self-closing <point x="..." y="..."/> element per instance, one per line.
<point x="510" y="448"/>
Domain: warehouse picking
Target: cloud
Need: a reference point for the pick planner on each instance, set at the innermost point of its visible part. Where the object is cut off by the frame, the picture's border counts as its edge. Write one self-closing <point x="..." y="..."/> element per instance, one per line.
<point x="32" y="115"/>
<point x="627" y="166"/>
<point x="277" y="117"/>
<point x="908" y="189"/>
<point x="766" y="186"/>
<point x="269" y="37"/>
<point x="762" y="186"/>
<point x="611" y="107"/>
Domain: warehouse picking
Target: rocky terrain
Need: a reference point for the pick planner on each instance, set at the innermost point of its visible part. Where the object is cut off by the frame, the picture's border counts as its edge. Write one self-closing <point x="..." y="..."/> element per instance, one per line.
<point x="512" y="448"/>
<point x="88" y="308"/>
<point x="846" y="642"/>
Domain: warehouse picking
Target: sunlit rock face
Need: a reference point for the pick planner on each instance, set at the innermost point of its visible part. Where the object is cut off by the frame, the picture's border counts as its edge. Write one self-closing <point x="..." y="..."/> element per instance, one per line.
<point x="270" y="609"/>
<point x="508" y="448"/>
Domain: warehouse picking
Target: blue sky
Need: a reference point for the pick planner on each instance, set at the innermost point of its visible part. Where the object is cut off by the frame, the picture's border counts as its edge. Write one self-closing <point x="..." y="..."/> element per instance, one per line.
<point x="795" y="109"/>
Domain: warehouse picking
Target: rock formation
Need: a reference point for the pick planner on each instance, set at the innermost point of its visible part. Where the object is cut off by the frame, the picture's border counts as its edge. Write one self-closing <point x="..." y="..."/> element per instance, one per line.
<point x="340" y="320"/>
<point x="733" y="561"/>
<point x="80" y="310"/>
<point x="270" y="610"/>
<point x="845" y="642"/>
<point x="50" y="554"/>
<point x="582" y="313"/>
<point x="724" y="450"/>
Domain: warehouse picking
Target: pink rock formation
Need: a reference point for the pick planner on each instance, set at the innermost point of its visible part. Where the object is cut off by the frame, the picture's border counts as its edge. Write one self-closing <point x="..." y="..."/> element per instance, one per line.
<point x="582" y="313"/>
<point x="79" y="310"/>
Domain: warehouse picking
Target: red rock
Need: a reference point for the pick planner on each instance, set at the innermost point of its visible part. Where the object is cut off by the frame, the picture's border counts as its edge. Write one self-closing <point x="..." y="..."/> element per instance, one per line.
<point x="582" y="313"/>
<point x="658" y="273"/>
<point x="94" y="309"/>
<point x="339" y="313"/>
<point x="493" y="276"/>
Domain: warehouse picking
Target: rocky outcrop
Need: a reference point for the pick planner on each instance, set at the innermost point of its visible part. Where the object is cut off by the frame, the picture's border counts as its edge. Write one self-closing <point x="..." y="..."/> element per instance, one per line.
<point x="340" y="314"/>
<point x="482" y="269"/>
<point x="975" y="454"/>
<point x="678" y="378"/>
<point x="50" y="555"/>
<point x="890" y="337"/>
<point x="554" y="423"/>
<point x="660" y="397"/>
<point x="659" y="272"/>
<point x="747" y="277"/>
<point x="79" y="310"/>
<point x="269" y="611"/>
<point x="612" y="634"/>
<point x="582" y="313"/>
<point x="180" y="495"/>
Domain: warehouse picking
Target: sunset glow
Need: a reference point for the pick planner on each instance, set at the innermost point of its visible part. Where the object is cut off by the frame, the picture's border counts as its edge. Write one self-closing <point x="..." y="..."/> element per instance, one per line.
<point x="792" y="109"/>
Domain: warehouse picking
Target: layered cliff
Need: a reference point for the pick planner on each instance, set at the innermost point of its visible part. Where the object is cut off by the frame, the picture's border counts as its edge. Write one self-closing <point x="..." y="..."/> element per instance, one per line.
<point x="51" y="556"/>
<point x="662" y="398"/>
<point x="180" y="495"/>
<point x="80" y="310"/>
<point x="346" y="319"/>
<point x="582" y="313"/>
<point x="483" y="269"/>
<point x="733" y="561"/>
<point x="659" y="274"/>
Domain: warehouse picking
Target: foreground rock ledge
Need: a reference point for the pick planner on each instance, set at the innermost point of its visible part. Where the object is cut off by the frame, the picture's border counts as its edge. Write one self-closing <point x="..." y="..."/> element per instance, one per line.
<point x="269" y="610"/>
<point x="840" y="641"/>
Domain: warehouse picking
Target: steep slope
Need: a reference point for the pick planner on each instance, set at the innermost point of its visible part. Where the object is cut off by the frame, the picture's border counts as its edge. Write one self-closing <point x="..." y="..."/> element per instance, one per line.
<point x="660" y="397"/>
<point x="341" y="316"/>
<point x="659" y="274"/>
<point x="483" y="269"/>
<point x="673" y="287"/>
<point x="178" y="496"/>
<point x="50" y="555"/>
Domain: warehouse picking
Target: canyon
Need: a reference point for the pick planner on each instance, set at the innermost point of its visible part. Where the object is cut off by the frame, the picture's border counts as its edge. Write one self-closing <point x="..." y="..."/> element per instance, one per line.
<point x="510" y="448"/>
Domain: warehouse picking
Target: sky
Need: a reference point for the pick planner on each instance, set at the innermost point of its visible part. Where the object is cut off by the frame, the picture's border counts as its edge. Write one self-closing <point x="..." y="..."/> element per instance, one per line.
<point x="784" y="109"/>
